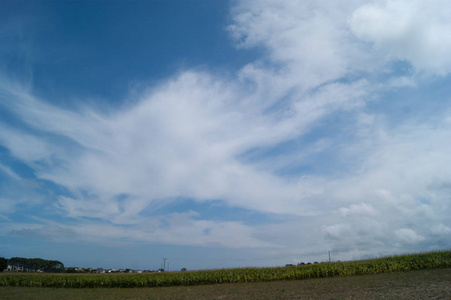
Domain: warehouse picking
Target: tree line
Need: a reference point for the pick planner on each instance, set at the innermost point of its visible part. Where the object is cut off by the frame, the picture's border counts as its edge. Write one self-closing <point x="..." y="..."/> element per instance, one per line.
<point x="31" y="264"/>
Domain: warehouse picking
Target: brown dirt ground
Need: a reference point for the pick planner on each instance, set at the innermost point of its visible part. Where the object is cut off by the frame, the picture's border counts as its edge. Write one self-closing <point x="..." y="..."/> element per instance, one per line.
<point x="426" y="284"/>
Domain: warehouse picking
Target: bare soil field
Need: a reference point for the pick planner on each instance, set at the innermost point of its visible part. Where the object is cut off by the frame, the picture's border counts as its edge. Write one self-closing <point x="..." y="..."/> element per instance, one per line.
<point x="424" y="284"/>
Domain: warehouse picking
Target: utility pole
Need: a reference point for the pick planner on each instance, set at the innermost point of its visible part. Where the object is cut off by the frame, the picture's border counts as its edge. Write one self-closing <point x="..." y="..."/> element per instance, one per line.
<point x="329" y="255"/>
<point x="164" y="264"/>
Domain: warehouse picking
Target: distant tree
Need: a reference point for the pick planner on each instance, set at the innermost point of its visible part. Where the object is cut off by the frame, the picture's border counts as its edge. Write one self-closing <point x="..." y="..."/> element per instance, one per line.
<point x="35" y="264"/>
<point x="3" y="264"/>
<point x="71" y="270"/>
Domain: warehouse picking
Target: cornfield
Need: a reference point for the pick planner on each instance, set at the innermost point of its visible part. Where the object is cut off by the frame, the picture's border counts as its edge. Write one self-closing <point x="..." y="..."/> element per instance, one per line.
<point x="431" y="260"/>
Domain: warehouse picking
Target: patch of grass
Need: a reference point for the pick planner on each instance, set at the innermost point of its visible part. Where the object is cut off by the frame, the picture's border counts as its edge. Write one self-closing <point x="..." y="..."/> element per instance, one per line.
<point x="424" y="284"/>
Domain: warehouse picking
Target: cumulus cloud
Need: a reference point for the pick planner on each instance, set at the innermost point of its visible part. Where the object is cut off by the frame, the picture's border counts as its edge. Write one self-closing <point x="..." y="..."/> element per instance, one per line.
<point x="307" y="43"/>
<point x="416" y="31"/>
<point x="407" y="235"/>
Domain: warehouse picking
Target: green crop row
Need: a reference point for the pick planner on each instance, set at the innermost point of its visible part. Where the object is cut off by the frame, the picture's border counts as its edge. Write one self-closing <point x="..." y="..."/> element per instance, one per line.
<point x="440" y="259"/>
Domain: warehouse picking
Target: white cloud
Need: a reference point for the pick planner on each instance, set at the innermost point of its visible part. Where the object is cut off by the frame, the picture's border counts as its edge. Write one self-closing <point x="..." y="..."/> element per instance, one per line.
<point x="309" y="41"/>
<point x="24" y="146"/>
<point x="337" y="231"/>
<point x="173" y="229"/>
<point x="181" y="139"/>
<point x="441" y="230"/>
<point x="407" y="235"/>
<point x="361" y="209"/>
<point x="417" y="31"/>
<point x="6" y="170"/>
<point x="16" y="192"/>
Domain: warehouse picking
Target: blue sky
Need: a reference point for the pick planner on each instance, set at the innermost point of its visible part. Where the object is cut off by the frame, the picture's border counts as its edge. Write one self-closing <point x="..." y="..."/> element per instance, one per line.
<point x="223" y="133"/>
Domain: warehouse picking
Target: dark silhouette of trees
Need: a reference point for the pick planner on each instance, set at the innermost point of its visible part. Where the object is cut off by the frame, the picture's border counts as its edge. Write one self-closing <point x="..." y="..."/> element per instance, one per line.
<point x="36" y="264"/>
<point x="3" y="264"/>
